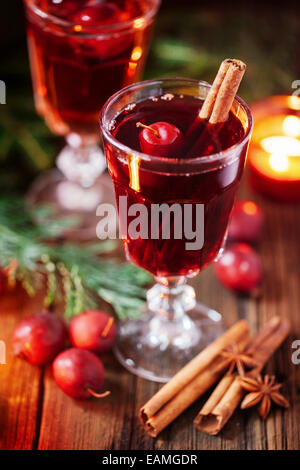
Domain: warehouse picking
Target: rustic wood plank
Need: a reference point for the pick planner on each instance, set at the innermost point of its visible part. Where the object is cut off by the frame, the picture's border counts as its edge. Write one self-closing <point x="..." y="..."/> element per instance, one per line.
<point x="19" y="382"/>
<point x="181" y="434"/>
<point x="112" y="423"/>
<point x="94" y="424"/>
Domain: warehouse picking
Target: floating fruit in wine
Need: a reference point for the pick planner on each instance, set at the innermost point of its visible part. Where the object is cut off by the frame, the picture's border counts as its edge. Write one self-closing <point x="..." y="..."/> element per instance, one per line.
<point x="160" y="139"/>
<point x="100" y="14"/>
<point x="61" y="8"/>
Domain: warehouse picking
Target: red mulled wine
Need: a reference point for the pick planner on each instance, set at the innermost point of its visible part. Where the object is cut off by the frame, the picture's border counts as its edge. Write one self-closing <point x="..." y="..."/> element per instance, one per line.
<point x="81" y="52"/>
<point x="177" y="177"/>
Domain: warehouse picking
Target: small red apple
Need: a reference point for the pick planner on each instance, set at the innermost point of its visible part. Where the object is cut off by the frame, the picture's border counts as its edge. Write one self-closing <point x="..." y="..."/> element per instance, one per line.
<point x="79" y="374"/>
<point x="239" y="268"/>
<point x="39" y="338"/>
<point x="93" y="330"/>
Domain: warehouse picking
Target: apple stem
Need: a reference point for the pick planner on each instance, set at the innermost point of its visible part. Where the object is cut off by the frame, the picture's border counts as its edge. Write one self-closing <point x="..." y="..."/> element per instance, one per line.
<point x="139" y="124"/>
<point x="98" y="395"/>
<point x="107" y="327"/>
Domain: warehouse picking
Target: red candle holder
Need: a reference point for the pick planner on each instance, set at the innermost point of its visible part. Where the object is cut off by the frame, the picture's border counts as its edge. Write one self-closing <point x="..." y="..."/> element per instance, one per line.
<point x="274" y="153"/>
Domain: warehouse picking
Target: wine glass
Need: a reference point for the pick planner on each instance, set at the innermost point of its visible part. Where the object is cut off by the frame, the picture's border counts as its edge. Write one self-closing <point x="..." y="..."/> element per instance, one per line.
<point x="175" y="326"/>
<point x="80" y="53"/>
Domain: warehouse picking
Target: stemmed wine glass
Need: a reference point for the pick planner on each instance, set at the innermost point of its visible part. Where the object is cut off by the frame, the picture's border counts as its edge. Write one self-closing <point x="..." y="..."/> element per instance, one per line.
<point x="175" y="326"/>
<point x="80" y="53"/>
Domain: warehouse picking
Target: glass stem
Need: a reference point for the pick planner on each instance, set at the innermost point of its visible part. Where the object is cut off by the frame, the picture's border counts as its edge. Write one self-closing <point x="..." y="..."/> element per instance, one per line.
<point x="81" y="162"/>
<point x="171" y="297"/>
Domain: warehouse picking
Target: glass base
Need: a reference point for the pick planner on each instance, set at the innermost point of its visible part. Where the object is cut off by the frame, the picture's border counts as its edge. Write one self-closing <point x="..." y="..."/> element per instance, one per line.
<point x="69" y="198"/>
<point x="156" y="347"/>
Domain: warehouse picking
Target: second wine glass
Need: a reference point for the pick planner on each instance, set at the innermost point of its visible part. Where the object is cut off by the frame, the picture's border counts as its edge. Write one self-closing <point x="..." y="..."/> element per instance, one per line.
<point x="81" y="53"/>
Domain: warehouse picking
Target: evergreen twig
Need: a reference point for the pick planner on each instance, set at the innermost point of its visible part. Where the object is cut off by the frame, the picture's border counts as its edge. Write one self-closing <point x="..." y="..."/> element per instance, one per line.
<point x="83" y="272"/>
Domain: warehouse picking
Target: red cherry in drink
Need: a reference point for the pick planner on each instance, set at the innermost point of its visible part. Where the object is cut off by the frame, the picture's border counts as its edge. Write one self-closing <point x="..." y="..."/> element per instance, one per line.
<point x="99" y="15"/>
<point x="239" y="268"/>
<point x="110" y="46"/>
<point x="79" y="373"/>
<point x="246" y="222"/>
<point x="39" y="338"/>
<point x="62" y="8"/>
<point x="160" y="139"/>
<point x="93" y="330"/>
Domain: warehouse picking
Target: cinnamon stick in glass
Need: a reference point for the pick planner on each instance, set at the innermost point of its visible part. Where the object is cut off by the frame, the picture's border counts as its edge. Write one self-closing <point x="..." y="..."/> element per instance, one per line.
<point x="215" y="108"/>
<point x="227" y="395"/>
<point x="221" y="95"/>
<point x="191" y="381"/>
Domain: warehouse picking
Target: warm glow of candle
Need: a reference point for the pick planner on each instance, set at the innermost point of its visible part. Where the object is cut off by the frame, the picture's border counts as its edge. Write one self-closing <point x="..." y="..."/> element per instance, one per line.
<point x="291" y="126"/>
<point x="293" y="102"/>
<point x="279" y="162"/>
<point x="274" y="154"/>
<point x="283" y="145"/>
<point x="278" y="156"/>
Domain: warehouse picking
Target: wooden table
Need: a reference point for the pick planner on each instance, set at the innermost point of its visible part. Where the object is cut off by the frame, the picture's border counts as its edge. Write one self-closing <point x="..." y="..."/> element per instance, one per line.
<point x="35" y="414"/>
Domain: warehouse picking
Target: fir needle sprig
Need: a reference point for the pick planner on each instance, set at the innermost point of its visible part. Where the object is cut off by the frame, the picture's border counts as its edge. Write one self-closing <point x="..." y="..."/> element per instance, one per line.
<point x="85" y="274"/>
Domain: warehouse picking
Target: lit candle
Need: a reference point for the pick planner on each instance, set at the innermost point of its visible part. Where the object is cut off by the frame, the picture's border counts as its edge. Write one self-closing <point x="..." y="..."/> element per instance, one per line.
<point x="274" y="154"/>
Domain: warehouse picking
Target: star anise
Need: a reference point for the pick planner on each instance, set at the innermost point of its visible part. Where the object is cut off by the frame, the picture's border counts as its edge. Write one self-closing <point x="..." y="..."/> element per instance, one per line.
<point x="262" y="391"/>
<point x="237" y="358"/>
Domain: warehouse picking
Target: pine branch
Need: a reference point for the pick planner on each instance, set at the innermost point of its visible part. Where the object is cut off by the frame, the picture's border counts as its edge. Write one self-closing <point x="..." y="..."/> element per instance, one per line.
<point x="84" y="274"/>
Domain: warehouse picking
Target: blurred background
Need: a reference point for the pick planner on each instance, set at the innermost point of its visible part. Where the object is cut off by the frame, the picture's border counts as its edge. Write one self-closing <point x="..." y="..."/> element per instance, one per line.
<point x="191" y="38"/>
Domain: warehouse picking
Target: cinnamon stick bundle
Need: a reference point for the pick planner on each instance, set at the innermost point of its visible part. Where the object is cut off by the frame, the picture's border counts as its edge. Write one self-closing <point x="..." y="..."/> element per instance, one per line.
<point x="216" y="106"/>
<point x="220" y="97"/>
<point x="227" y="395"/>
<point x="191" y="381"/>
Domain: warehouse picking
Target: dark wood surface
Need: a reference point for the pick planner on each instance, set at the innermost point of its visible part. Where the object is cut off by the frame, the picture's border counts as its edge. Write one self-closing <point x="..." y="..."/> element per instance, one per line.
<point x="35" y="414"/>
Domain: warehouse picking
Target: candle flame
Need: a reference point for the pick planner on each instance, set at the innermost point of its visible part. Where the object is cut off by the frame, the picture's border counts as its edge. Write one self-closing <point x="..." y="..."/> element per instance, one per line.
<point x="294" y="102"/>
<point x="291" y="126"/>
<point x="278" y="162"/>
<point x="284" y="145"/>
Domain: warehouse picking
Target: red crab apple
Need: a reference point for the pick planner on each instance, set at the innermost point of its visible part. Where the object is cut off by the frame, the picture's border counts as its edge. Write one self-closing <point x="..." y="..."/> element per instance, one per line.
<point x="79" y="373"/>
<point x="246" y="222"/>
<point x="239" y="268"/>
<point x="93" y="330"/>
<point x="39" y="338"/>
<point x="160" y="139"/>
